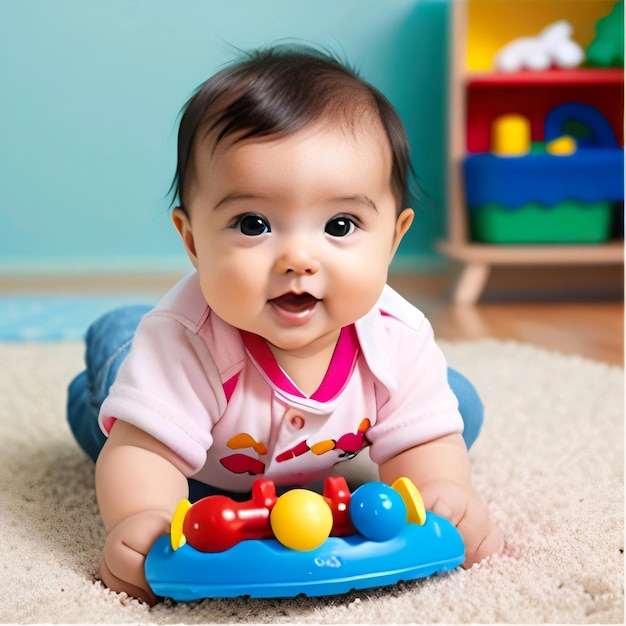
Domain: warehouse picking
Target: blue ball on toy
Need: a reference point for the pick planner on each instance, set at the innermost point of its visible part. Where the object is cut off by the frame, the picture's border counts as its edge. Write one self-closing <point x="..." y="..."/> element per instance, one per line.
<point x="377" y="511"/>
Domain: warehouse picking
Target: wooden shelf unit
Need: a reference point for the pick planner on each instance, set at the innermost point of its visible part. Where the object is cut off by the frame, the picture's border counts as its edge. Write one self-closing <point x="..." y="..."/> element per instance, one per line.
<point x="477" y="258"/>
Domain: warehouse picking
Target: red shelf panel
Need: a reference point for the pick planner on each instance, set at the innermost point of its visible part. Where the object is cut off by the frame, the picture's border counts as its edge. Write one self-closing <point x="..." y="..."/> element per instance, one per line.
<point x="612" y="76"/>
<point x="535" y="94"/>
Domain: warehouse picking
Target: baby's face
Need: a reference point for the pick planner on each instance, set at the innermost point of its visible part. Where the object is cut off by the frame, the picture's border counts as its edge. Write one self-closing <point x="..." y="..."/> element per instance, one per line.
<point x="292" y="236"/>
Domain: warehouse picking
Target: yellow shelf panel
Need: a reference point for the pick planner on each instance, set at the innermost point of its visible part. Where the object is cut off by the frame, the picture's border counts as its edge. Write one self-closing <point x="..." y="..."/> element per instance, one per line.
<point x="494" y="23"/>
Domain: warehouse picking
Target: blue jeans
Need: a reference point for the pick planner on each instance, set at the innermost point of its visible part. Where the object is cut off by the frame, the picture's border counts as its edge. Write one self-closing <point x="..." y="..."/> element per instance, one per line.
<point x="108" y="342"/>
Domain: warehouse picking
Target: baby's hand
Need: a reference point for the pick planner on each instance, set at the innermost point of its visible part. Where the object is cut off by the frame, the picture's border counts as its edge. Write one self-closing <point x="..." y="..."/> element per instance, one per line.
<point x="464" y="508"/>
<point x="125" y="550"/>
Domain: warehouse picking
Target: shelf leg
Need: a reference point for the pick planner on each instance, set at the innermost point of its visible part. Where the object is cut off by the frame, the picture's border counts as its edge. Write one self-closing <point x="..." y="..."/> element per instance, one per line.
<point x="471" y="283"/>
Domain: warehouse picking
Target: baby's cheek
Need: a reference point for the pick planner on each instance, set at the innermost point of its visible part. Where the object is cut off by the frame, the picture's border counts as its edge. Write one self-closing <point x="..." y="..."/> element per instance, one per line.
<point x="223" y="286"/>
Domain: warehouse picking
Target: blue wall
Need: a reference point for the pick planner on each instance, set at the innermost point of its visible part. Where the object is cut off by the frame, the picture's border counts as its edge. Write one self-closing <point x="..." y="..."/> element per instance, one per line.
<point x="90" y="92"/>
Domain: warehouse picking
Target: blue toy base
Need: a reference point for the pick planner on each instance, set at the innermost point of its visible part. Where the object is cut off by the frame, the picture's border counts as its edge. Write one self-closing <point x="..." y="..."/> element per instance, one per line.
<point x="264" y="568"/>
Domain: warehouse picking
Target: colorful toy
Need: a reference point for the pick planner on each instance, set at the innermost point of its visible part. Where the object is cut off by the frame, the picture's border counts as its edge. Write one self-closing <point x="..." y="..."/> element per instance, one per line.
<point x="301" y="542"/>
<point x="536" y="95"/>
<point x="561" y="146"/>
<point x="511" y="135"/>
<point x="556" y="166"/>
<point x="552" y="46"/>
<point x="607" y="49"/>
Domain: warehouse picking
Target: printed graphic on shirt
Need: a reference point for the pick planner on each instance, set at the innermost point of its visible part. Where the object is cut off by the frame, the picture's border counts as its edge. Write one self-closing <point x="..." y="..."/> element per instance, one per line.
<point x="243" y="440"/>
<point x="242" y="463"/>
<point x="350" y="445"/>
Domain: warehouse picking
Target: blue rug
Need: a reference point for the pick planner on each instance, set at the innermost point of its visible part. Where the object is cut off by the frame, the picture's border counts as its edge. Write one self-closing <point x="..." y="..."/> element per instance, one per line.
<point x="58" y="317"/>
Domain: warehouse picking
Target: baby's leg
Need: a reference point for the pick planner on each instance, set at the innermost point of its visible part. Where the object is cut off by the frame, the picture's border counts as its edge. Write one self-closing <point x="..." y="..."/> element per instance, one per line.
<point x="470" y="405"/>
<point x="108" y="342"/>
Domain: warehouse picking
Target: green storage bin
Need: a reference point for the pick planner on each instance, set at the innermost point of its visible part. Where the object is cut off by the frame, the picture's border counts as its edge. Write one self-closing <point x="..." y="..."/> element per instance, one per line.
<point x="568" y="222"/>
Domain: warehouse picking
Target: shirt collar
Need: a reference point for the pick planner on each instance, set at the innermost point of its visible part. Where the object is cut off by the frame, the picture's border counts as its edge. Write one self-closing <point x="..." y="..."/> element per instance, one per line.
<point x="336" y="377"/>
<point x="374" y="345"/>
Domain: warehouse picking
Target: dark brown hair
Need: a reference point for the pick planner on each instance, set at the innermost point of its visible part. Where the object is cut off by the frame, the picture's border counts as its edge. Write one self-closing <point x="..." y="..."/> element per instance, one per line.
<point x="281" y="89"/>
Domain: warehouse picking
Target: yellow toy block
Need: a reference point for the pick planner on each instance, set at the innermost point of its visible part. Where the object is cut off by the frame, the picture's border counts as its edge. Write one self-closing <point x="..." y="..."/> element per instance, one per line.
<point x="510" y="135"/>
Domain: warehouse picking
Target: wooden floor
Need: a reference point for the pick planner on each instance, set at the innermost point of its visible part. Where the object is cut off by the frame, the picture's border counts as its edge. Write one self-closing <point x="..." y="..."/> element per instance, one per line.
<point x="563" y="316"/>
<point x="590" y="324"/>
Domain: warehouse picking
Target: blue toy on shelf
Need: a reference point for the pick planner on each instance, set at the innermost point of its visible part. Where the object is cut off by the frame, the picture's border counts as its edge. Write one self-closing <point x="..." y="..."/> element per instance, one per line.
<point x="280" y="547"/>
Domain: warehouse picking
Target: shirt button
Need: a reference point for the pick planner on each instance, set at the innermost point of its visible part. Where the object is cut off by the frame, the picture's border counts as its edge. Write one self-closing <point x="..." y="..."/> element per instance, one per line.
<point x="297" y="422"/>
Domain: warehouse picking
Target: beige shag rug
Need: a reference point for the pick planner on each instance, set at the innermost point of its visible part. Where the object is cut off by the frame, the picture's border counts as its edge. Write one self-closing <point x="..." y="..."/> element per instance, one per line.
<point x="549" y="462"/>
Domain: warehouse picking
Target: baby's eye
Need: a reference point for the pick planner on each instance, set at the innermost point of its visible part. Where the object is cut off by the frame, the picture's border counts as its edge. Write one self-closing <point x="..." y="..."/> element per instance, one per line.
<point x="253" y="225"/>
<point x="341" y="226"/>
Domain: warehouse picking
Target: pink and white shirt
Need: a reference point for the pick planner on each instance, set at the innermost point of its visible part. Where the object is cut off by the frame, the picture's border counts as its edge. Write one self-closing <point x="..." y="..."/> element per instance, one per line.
<point x="217" y="397"/>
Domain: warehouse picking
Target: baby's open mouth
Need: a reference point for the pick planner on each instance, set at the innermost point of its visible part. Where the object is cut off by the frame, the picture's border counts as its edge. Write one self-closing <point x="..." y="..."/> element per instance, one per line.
<point x="295" y="302"/>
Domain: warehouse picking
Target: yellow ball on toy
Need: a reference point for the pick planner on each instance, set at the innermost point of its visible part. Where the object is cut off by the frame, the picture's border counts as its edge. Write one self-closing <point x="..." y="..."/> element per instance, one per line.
<point x="301" y="520"/>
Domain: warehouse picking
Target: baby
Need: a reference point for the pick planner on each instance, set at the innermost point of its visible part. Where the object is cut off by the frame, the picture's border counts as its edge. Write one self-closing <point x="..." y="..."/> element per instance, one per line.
<point x="284" y="354"/>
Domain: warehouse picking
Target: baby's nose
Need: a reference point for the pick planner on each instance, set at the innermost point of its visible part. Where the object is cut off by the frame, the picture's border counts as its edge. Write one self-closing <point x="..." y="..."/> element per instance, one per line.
<point x="297" y="260"/>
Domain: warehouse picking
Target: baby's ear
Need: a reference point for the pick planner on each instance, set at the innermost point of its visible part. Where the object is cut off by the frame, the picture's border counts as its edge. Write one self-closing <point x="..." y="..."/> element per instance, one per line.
<point x="403" y="223"/>
<point x="183" y="226"/>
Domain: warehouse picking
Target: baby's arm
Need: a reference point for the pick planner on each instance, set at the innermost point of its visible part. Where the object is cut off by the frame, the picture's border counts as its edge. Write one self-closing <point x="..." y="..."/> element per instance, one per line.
<point x="440" y="470"/>
<point x="139" y="482"/>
